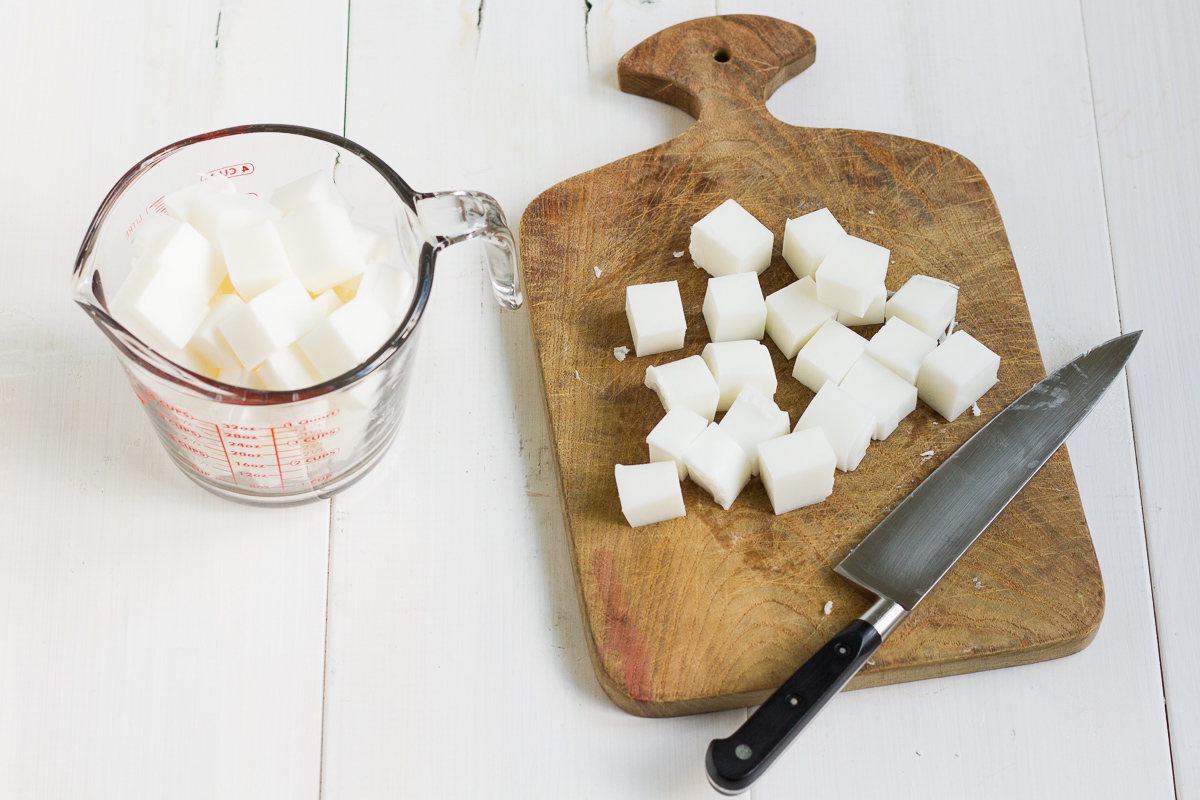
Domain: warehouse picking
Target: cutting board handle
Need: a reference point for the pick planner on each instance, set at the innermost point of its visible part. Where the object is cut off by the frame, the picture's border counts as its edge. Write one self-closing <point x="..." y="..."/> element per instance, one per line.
<point x="718" y="64"/>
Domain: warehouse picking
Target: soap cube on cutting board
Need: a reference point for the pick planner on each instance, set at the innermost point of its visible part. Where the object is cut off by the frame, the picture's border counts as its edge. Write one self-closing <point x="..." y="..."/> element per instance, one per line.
<point x="686" y="382"/>
<point x="735" y="365"/>
<point x="808" y="238"/>
<point x="848" y="423"/>
<point x="890" y="397"/>
<point x="674" y="434"/>
<point x="794" y="314"/>
<point x="797" y="469"/>
<point x="926" y="303"/>
<point x="828" y="355"/>
<point x="649" y="493"/>
<point x="851" y="275"/>
<point x="957" y="374"/>
<point x="734" y="308"/>
<point x="718" y="464"/>
<point x="728" y="240"/>
<point x="901" y="348"/>
<point x="655" y="315"/>
<point x="754" y="418"/>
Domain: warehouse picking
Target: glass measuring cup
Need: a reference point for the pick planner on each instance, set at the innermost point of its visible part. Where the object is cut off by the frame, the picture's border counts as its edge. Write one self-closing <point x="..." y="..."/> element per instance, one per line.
<point x="283" y="447"/>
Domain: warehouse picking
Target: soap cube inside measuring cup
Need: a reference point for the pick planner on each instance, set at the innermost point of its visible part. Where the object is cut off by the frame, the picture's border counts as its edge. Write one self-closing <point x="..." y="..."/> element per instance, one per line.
<point x="178" y="204"/>
<point x="216" y="215"/>
<point x="269" y="322"/>
<point x="255" y="258"/>
<point x="321" y="245"/>
<point x="208" y="342"/>
<point x="348" y="337"/>
<point x="376" y="243"/>
<point x="317" y="186"/>
<point x="288" y="370"/>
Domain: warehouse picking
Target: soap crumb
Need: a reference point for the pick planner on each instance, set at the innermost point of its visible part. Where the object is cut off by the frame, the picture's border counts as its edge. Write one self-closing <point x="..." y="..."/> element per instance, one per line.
<point x="949" y="331"/>
<point x="678" y="253"/>
<point x="977" y="583"/>
<point x="928" y="454"/>
<point x="869" y="661"/>
<point x="577" y="376"/>
<point x="872" y="211"/>
<point x="598" y="271"/>
<point x="828" y="607"/>
<point x="620" y="353"/>
<point x="975" y="408"/>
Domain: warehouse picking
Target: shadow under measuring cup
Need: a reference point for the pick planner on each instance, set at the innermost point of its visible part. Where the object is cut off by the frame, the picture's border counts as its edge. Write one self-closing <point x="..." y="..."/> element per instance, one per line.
<point x="284" y="447"/>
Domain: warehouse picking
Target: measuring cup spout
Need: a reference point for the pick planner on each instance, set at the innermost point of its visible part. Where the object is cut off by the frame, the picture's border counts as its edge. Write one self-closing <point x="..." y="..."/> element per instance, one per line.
<point x="460" y="216"/>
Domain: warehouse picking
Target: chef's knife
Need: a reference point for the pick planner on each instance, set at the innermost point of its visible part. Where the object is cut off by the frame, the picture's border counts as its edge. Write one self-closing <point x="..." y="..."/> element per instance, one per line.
<point x="915" y="545"/>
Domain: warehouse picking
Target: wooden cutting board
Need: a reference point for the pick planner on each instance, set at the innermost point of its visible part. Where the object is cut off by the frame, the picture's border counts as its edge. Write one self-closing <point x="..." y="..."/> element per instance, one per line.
<point x="716" y="609"/>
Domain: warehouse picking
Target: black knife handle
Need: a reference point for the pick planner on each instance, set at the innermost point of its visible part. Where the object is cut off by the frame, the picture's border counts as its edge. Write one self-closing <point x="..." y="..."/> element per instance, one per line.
<point x="735" y="763"/>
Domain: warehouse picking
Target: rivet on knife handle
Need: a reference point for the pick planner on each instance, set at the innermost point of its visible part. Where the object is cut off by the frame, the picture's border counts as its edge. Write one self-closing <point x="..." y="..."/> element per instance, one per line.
<point x="734" y="763"/>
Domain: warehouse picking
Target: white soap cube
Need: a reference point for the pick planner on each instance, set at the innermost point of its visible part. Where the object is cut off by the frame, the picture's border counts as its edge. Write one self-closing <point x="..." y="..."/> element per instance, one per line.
<point x="734" y="308"/>
<point x="807" y="239"/>
<point x="687" y="383"/>
<point x="154" y="307"/>
<point x="326" y="303"/>
<point x="649" y="493"/>
<point x="348" y="288"/>
<point x="389" y="286"/>
<point x="794" y="314"/>
<point x="189" y="359"/>
<point x="874" y="314"/>
<point x="255" y="258"/>
<point x="735" y="365"/>
<point x="240" y="376"/>
<point x="178" y="204"/>
<point x="729" y="240"/>
<point x="270" y="322"/>
<point x="208" y="342"/>
<point x="901" y="348"/>
<point x="317" y="187"/>
<point x="754" y="418"/>
<point x="847" y="422"/>
<point x="321" y="245"/>
<point x="890" y="397"/>
<point x="926" y="303"/>
<point x="216" y="215"/>
<point x="655" y="314"/>
<point x="828" y="355"/>
<point x="348" y="337"/>
<point x="288" y="370"/>
<point x="167" y="293"/>
<point x="188" y="258"/>
<point x="797" y="469"/>
<point x="718" y="464"/>
<point x="851" y="275"/>
<point x="376" y="243"/>
<point x="957" y="374"/>
<point x="673" y="435"/>
<point x="151" y="229"/>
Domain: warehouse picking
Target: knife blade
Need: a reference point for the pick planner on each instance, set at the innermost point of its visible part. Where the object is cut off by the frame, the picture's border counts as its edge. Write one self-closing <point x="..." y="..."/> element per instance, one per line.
<point x="905" y="556"/>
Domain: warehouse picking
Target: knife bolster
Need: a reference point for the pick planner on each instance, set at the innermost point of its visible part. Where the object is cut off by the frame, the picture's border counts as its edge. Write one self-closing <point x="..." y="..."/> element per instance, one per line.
<point x="884" y="615"/>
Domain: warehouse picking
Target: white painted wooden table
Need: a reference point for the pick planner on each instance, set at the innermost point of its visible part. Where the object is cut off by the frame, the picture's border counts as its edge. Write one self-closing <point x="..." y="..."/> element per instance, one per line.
<point x="156" y="642"/>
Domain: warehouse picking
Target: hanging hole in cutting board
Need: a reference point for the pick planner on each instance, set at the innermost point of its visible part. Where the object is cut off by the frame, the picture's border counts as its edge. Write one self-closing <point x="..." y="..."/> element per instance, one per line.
<point x="722" y="55"/>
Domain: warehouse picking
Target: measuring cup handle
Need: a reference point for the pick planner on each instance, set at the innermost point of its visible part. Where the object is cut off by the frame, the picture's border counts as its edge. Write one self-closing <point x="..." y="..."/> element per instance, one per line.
<point x="454" y="217"/>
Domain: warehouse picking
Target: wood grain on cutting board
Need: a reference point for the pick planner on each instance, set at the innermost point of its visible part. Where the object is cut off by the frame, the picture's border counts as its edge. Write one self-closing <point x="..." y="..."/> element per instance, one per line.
<point x="715" y="609"/>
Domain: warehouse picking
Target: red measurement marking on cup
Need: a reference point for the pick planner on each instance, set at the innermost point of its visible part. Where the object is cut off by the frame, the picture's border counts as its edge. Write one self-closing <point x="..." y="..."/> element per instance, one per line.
<point x="278" y="463"/>
<point x="156" y="207"/>
<point x="225" y="450"/>
<point x="233" y="170"/>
